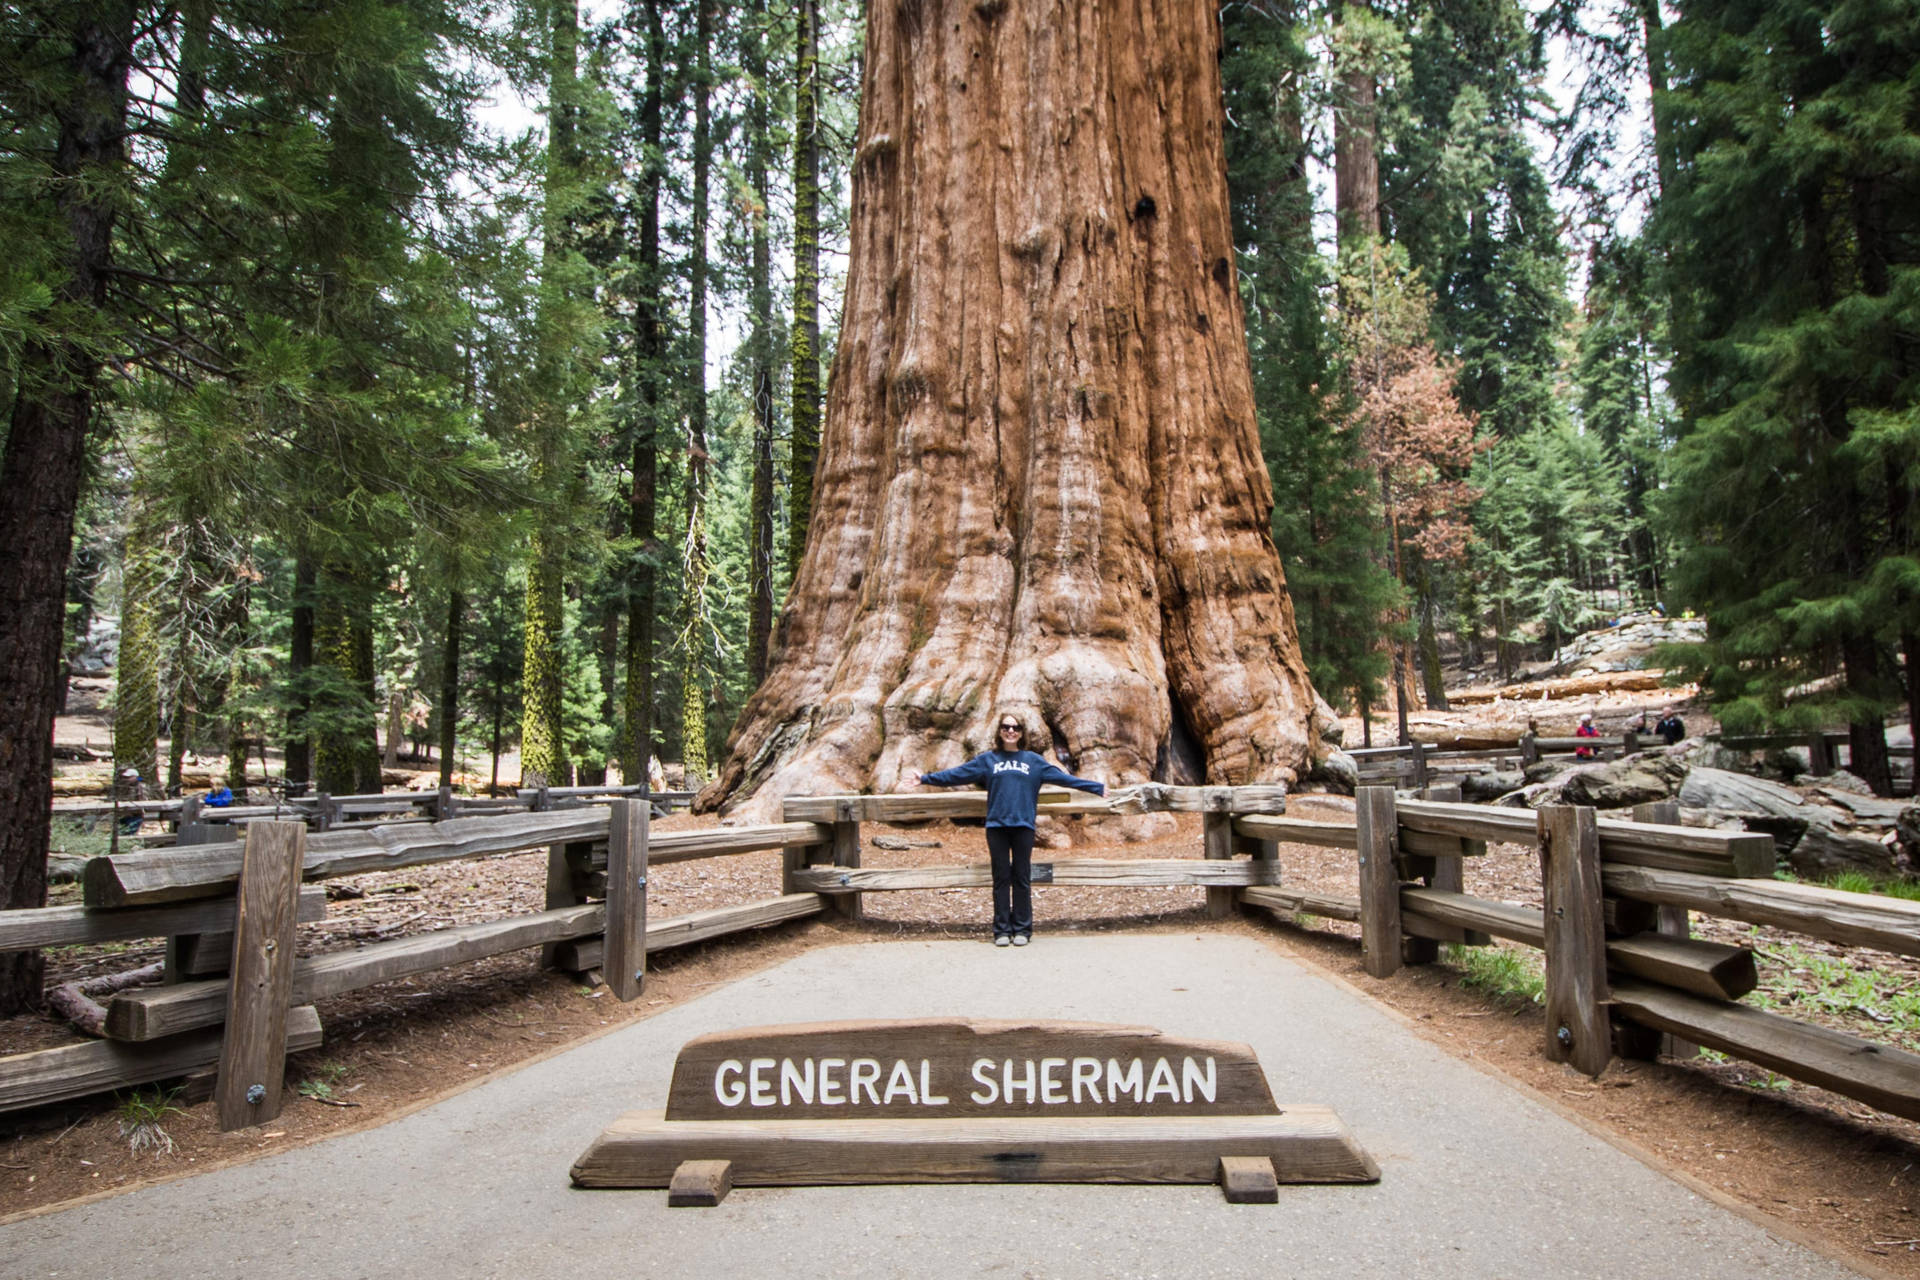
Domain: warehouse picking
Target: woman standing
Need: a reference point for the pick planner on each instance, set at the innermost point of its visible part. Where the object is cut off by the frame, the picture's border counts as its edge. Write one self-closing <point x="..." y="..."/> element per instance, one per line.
<point x="1013" y="777"/>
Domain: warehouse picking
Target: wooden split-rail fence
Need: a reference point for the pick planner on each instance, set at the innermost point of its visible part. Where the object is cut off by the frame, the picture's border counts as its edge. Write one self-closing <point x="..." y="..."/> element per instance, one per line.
<point x="1623" y="976"/>
<point x="1418" y="764"/>
<point x="324" y="812"/>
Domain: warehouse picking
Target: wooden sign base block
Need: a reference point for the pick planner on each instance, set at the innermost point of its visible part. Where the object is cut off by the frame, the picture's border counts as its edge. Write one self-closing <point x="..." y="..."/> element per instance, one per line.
<point x="1304" y="1144"/>
<point x="700" y="1184"/>
<point x="954" y="1100"/>
<point x="1249" y="1180"/>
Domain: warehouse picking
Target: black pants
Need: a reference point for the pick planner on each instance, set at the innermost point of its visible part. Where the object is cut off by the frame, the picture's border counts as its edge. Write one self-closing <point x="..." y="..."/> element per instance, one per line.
<point x="1011" y="850"/>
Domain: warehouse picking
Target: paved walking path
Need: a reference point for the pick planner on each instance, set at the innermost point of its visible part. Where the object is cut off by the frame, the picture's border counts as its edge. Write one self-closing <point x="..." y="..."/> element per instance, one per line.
<point x="1478" y="1180"/>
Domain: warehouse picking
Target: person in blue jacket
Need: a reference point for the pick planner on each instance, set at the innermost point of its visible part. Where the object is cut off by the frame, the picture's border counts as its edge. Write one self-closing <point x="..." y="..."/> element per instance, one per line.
<point x="1013" y="777"/>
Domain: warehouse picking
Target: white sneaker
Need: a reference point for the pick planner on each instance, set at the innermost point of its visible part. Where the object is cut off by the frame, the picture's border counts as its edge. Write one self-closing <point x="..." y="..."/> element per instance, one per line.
<point x="1021" y="939"/>
<point x="1001" y="940"/>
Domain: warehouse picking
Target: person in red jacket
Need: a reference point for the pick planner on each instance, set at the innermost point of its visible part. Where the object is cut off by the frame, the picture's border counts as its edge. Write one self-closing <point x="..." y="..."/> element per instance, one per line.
<point x="1586" y="730"/>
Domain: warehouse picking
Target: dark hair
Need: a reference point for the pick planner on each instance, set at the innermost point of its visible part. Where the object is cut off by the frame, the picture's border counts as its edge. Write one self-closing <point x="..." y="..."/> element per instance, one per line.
<point x="1017" y="718"/>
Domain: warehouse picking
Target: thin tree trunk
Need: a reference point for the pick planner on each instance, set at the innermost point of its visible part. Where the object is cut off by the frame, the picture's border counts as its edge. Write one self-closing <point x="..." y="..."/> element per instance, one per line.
<point x="543" y="748"/>
<point x="45" y="461"/>
<point x="1040" y="479"/>
<point x="693" y="673"/>
<point x="805" y="382"/>
<point x="1356" y="132"/>
<point x="760" y="308"/>
<point x="450" y="685"/>
<point x="1867" y="735"/>
<point x="649" y="351"/>
<point x="299" y="766"/>
<point x="136" y="671"/>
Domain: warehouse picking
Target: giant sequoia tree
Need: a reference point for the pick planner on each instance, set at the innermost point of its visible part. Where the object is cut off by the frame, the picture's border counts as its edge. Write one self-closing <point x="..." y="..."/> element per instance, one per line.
<point x="1040" y="483"/>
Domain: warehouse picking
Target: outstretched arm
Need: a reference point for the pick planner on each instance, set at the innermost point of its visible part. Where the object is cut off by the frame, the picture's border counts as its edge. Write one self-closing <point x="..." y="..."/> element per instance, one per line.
<point x="974" y="770"/>
<point x="1050" y="772"/>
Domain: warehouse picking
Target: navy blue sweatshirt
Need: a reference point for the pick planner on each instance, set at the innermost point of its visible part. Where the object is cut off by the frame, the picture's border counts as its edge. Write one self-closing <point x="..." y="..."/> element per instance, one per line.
<point x="1013" y="780"/>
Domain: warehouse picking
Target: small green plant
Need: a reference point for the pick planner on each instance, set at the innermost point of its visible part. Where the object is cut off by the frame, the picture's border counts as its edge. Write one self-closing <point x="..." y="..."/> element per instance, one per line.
<point x="140" y="1115"/>
<point x="320" y="1085"/>
<point x="1499" y="971"/>
<point x="1861" y="882"/>
<point x="78" y="839"/>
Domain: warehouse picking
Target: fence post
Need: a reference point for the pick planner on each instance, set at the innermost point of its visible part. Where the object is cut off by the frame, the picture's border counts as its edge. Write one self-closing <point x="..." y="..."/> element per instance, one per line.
<point x="1377" y="825"/>
<point x="624" y="961"/>
<point x="846" y="853"/>
<point x="325" y="811"/>
<point x="1446" y="873"/>
<point x="1819" y="754"/>
<point x="1529" y="749"/>
<point x="443" y="805"/>
<point x="1629" y="742"/>
<point x="1576" y="940"/>
<point x="1419" y="750"/>
<point x="1631" y="1039"/>
<point x="200" y="955"/>
<point x="253" y="1052"/>
<point x="1216" y="836"/>
<point x="569" y="874"/>
<point x="189" y="813"/>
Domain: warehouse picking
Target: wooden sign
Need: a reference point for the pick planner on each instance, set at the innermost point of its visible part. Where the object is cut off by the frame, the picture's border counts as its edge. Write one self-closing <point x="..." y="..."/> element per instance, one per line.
<point x="958" y="1100"/>
<point x="955" y="1067"/>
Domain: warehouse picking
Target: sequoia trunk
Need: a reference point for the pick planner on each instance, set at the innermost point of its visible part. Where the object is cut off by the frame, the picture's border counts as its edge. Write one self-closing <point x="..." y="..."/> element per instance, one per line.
<point x="1040" y="482"/>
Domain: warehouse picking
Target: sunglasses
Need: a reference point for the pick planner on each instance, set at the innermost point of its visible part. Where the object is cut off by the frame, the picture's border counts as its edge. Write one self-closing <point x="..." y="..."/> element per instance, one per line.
<point x="1010" y="728"/>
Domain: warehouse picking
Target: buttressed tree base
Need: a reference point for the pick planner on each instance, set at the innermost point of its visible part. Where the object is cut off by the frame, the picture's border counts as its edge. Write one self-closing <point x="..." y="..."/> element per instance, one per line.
<point x="1040" y="484"/>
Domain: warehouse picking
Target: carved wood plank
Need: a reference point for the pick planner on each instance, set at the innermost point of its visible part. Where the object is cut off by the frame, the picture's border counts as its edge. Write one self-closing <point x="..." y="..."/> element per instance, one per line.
<point x="253" y="1053"/>
<point x="1306" y="1144"/>
<point x="943" y="1067"/>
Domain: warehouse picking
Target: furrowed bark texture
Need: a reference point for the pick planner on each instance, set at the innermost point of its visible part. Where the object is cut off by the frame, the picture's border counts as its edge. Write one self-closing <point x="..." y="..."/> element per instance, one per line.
<point x="1040" y="484"/>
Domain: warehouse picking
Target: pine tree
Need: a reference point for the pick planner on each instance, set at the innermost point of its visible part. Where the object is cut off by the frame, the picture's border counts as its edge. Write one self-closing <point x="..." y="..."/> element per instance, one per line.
<point x="1798" y="464"/>
<point x="1326" y="520"/>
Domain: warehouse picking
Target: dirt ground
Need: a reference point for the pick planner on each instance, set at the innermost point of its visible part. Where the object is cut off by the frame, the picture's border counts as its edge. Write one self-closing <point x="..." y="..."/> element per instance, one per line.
<point x="1818" y="1167"/>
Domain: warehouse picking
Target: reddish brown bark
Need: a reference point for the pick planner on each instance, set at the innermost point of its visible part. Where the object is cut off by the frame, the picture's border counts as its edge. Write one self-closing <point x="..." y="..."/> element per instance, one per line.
<point x="1040" y="483"/>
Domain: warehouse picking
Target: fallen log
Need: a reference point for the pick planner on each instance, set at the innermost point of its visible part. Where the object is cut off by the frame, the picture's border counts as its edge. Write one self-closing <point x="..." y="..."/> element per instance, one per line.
<point x="76" y="1002"/>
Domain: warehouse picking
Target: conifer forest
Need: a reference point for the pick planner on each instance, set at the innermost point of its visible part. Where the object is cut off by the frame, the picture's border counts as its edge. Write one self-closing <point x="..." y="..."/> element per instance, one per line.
<point x="778" y="388"/>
